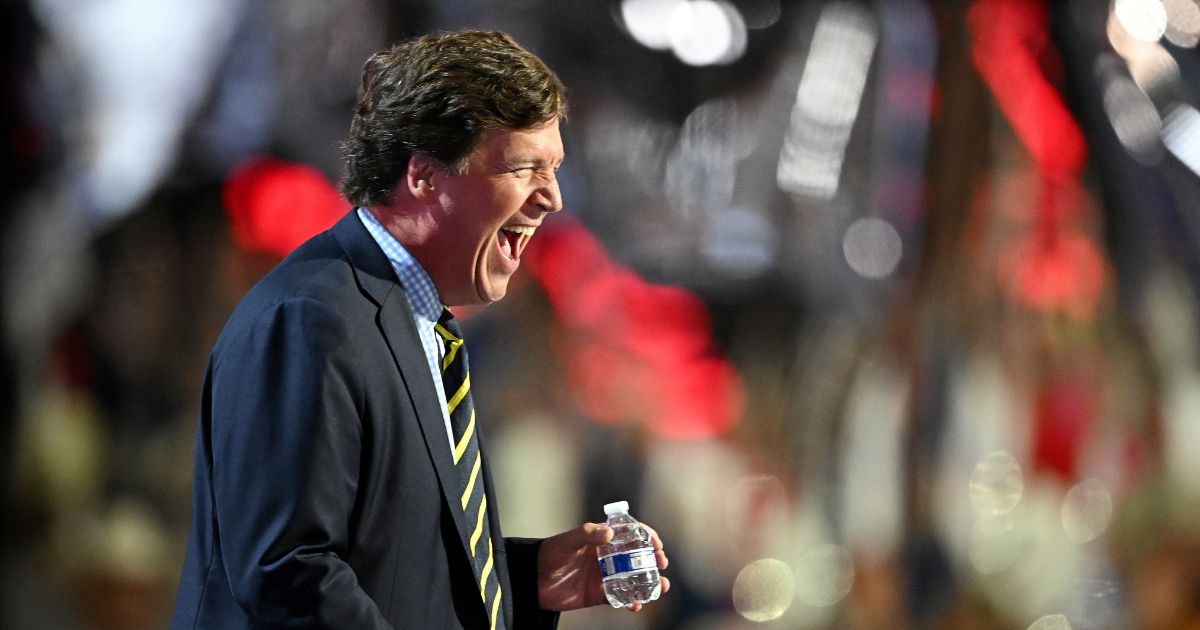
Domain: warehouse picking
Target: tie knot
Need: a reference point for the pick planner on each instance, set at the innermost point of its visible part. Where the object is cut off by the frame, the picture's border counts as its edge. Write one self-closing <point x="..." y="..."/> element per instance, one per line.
<point x="448" y="322"/>
<point x="452" y="338"/>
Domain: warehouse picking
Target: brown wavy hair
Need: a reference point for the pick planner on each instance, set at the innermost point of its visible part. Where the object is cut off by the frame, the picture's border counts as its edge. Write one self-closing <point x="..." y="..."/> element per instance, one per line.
<point x="436" y="95"/>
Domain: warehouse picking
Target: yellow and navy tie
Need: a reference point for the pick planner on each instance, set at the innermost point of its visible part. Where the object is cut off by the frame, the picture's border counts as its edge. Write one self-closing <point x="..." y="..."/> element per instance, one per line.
<point x="468" y="462"/>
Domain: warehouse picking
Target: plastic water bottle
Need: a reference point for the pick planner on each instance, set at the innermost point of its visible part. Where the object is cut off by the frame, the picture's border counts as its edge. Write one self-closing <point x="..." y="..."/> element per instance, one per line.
<point x="627" y="563"/>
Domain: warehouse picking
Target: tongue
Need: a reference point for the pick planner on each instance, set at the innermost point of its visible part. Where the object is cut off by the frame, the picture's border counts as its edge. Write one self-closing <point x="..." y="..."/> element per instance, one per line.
<point x="506" y="244"/>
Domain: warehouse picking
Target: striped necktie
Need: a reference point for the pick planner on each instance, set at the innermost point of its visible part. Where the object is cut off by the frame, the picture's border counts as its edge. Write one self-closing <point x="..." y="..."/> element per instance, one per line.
<point x="468" y="462"/>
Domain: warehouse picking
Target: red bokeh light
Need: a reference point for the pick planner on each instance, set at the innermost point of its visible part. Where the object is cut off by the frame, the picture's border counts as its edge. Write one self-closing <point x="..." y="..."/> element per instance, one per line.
<point x="1011" y="40"/>
<point x="1060" y="272"/>
<point x="274" y="206"/>
<point x="634" y="350"/>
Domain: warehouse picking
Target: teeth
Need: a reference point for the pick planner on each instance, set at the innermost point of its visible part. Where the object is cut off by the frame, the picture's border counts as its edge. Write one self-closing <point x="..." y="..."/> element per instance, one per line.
<point x="524" y="233"/>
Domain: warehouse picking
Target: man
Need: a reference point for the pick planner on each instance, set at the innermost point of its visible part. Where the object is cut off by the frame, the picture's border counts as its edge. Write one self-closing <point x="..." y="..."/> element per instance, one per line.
<point x="332" y="485"/>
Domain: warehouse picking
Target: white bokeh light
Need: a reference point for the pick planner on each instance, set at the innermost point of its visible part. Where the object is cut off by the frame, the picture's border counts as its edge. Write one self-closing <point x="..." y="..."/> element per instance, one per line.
<point x="1143" y="19"/>
<point x="1181" y="134"/>
<point x="835" y="73"/>
<point x="825" y="576"/>
<point x="1150" y="65"/>
<point x="872" y="247"/>
<point x="764" y="590"/>
<point x="646" y="21"/>
<point x="1153" y="67"/>
<point x="827" y="101"/>
<point x="721" y="130"/>
<point x="1051" y="622"/>
<point x="1183" y="22"/>
<point x="1134" y="119"/>
<point x="996" y="484"/>
<point x="1087" y="510"/>
<point x="706" y="32"/>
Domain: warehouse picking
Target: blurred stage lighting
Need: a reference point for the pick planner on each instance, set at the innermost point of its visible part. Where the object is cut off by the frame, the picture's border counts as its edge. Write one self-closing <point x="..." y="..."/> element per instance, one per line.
<point x="720" y="130"/>
<point x="995" y="543"/>
<point x="827" y="101"/>
<point x="764" y="590"/>
<point x="826" y="575"/>
<point x="1183" y="22"/>
<point x="739" y="242"/>
<point x="1051" y="622"/>
<point x="1150" y="65"/>
<point x="1134" y="119"/>
<point x="1153" y="68"/>
<point x="647" y="20"/>
<point x="756" y="501"/>
<point x="697" y="185"/>
<point x="1181" y="134"/>
<point x="699" y="32"/>
<point x="996" y="484"/>
<point x="872" y="247"/>
<point x="1087" y="510"/>
<point x="1143" y="19"/>
<point x="707" y="32"/>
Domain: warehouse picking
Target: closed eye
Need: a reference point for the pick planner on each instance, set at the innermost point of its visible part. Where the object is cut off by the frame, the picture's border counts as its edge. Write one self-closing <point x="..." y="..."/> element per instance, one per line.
<point x="537" y="166"/>
<point x="541" y="172"/>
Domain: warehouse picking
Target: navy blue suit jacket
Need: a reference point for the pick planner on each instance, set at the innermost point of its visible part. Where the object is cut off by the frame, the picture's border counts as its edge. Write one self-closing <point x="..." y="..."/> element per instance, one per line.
<point x="324" y="490"/>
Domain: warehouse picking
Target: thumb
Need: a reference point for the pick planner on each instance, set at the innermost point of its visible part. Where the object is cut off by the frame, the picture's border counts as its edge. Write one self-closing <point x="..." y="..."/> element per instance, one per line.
<point x="596" y="533"/>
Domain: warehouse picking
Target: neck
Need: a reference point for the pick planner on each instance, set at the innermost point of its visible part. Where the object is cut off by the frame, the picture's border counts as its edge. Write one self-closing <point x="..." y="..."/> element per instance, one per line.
<point x="416" y="228"/>
<point x="413" y="226"/>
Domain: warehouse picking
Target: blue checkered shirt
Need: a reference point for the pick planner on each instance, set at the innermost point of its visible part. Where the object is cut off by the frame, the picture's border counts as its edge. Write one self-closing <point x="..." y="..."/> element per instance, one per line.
<point x="422" y="297"/>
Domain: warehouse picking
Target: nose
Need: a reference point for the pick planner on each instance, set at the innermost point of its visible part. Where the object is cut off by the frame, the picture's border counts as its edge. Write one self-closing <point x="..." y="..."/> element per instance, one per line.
<point x="548" y="198"/>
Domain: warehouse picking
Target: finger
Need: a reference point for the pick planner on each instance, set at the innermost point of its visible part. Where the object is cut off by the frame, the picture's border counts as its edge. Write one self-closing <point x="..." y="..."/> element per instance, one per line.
<point x="574" y="541"/>
<point x="596" y="533"/>
<point x="654" y="538"/>
<point x="666" y="584"/>
<point x="659" y="553"/>
<point x="585" y="535"/>
<point x="634" y="607"/>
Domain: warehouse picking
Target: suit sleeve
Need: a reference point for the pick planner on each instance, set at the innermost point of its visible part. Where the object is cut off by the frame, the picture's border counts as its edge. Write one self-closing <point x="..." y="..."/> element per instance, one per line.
<point x="286" y="452"/>
<point x="522" y="572"/>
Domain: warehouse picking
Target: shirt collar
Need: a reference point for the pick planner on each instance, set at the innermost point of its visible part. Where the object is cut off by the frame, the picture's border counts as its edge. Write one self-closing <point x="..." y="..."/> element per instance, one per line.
<point x="422" y="294"/>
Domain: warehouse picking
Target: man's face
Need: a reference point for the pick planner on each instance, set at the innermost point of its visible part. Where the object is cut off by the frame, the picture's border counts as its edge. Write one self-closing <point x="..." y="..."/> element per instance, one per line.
<point x="491" y="210"/>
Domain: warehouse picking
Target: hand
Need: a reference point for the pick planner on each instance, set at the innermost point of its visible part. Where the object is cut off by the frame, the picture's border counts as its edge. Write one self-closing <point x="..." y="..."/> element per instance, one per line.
<point x="569" y="573"/>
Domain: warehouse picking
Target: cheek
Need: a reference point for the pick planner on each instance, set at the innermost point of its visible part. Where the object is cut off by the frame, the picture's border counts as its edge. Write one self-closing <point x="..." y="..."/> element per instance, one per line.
<point x="510" y="200"/>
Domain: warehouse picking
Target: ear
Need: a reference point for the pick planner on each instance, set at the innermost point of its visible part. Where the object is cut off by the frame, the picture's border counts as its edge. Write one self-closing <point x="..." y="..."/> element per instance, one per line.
<point x="419" y="178"/>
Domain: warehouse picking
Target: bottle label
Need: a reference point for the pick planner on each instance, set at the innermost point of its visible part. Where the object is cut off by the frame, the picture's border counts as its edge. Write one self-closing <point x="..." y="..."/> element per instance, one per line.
<point x="617" y="564"/>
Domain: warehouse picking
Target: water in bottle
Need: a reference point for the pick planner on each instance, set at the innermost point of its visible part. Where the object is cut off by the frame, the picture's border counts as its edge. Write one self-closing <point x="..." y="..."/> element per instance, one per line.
<point x="627" y="563"/>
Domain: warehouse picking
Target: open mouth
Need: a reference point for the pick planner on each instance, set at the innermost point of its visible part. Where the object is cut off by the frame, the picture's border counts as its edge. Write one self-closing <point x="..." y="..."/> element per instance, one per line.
<point x="513" y="239"/>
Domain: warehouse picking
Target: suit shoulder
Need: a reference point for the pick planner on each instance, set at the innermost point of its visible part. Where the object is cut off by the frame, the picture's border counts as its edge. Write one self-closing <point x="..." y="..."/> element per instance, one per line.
<point x="315" y="284"/>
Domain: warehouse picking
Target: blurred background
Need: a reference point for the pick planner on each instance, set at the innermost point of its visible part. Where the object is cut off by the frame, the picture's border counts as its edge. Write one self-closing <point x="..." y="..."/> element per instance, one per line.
<point x="883" y="313"/>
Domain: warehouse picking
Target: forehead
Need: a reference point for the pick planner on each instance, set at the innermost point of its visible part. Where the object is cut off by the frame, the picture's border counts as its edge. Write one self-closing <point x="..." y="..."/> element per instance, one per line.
<point x="542" y="144"/>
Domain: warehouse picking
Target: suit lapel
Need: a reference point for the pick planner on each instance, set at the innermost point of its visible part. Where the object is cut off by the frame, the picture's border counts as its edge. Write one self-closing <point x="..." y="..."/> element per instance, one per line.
<point x="378" y="280"/>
